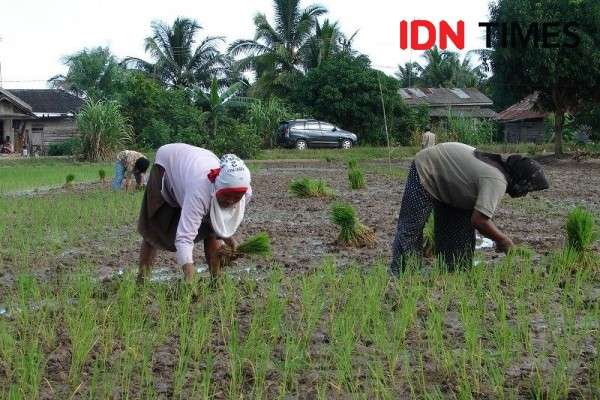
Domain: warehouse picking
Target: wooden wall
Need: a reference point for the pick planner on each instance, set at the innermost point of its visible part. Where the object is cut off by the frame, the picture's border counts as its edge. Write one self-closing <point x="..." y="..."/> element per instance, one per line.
<point x="527" y="131"/>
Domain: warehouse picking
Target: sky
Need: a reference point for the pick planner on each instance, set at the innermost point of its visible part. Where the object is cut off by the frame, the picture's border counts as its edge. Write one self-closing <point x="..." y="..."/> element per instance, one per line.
<point x="36" y="34"/>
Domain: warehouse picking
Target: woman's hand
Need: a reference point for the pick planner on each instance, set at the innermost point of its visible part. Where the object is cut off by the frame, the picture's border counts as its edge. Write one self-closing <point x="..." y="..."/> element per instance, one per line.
<point x="504" y="245"/>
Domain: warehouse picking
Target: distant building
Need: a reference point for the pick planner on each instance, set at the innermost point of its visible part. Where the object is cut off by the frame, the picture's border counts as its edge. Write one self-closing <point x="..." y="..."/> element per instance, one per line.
<point x="37" y="117"/>
<point x="522" y="122"/>
<point x="464" y="102"/>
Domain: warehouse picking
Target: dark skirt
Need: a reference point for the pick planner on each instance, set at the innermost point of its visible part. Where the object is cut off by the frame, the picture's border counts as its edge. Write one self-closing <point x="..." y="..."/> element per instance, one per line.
<point x="158" y="220"/>
<point x="454" y="236"/>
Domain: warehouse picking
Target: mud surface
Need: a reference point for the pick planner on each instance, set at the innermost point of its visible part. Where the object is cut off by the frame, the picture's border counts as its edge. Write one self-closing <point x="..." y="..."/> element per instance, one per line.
<point x="302" y="234"/>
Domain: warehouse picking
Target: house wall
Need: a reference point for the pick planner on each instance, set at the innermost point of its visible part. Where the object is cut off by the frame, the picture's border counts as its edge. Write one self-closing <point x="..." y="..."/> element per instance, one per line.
<point x="524" y="131"/>
<point x="46" y="131"/>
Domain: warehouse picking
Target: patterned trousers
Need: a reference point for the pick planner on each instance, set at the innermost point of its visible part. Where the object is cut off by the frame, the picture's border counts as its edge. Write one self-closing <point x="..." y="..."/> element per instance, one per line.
<point x="454" y="236"/>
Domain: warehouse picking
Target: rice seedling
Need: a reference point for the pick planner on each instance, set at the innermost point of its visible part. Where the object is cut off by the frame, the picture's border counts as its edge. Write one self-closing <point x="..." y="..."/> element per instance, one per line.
<point x="352" y="164"/>
<point x="429" y="237"/>
<point x="581" y="229"/>
<point x="102" y="175"/>
<point x="356" y="178"/>
<point x="69" y="180"/>
<point x="257" y="245"/>
<point x="307" y="187"/>
<point x="352" y="231"/>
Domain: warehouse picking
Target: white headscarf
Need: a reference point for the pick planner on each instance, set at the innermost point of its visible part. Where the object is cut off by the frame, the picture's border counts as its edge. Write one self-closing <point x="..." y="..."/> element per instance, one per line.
<point x="233" y="175"/>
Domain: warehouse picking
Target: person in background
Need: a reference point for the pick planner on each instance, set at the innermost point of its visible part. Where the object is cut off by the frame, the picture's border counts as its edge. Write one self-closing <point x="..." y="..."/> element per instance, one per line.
<point x="130" y="163"/>
<point x="427" y="139"/>
<point x="463" y="187"/>
<point x="7" y="147"/>
<point x="192" y="195"/>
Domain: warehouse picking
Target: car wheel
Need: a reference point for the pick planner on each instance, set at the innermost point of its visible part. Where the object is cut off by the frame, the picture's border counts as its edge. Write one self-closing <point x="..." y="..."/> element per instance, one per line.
<point x="301" y="144"/>
<point x="346" y="144"/>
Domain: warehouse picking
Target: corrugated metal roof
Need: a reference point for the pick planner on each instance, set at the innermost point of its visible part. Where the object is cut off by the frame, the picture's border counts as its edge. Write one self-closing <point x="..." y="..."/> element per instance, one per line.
<point x="525" y="109"/>
<point x="463" y="112"/>
<point x="445" y="96"/>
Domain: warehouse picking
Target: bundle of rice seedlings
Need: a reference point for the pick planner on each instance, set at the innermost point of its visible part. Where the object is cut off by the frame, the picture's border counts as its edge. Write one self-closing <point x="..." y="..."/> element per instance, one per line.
<point x="352" y="232"/>
<point x="356" y="178"/>
<point x="257" y="245"/>
<point x="581" y="229"/>
<point x="352" y="164"/>
<point x="306" y="187"/>
<point x="428" y="237"/>
<point x="69" y="180"/>
<point x="102" y="175"/>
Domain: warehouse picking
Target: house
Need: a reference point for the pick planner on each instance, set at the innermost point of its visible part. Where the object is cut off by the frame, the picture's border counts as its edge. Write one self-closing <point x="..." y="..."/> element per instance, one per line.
<point x="523" y="122"/>
<point x="463" y="102"/>
<point x="36" y="118"/>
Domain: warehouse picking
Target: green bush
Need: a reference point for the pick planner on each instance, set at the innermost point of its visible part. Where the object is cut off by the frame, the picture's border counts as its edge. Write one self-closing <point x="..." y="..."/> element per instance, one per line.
<point x="581" y="229"/>
<point x="69" y="147"/>
<point x="236" y="138"/>
<point x="103" y="129"/>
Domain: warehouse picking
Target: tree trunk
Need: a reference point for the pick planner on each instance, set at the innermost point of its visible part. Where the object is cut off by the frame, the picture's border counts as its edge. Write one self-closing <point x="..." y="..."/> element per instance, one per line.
<point x="559" y="117"/>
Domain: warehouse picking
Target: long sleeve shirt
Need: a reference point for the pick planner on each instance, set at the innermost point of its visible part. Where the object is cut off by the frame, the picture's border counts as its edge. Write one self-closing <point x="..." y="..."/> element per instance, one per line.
<point x="186" y="185"/>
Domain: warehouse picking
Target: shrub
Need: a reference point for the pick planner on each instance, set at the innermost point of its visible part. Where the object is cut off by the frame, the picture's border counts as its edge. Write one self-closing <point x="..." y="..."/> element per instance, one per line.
<point x="581" y="229"/>
<point x="103" y="129"/>
<point x="236" y="138"/>
<point x="357" y="179"/>
<point x="69" y="147"/>
<point x="352" y="232"/>
<point x="306" y="187"/>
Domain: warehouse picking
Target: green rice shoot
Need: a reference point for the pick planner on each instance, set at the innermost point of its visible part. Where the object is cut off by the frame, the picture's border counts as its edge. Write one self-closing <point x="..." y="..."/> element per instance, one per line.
<point x="259" y="245"/>
<point x="581" y="229"/>
<point x="102" y="175"/>
<point x="69" y="179"/>
<point x="428" y="237"/>
<point x="307" y="187"/>
<point x="356" y="178"/>
<point x="352" y="231"/>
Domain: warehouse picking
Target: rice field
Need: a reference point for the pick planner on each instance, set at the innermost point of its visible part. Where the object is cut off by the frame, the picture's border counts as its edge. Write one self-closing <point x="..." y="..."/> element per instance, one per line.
<point x="313" y="317"/>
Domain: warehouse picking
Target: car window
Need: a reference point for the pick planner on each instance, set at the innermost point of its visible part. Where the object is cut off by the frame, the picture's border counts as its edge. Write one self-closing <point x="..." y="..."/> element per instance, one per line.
<point x="326" y="127"/>
<point x="312" y="126"/>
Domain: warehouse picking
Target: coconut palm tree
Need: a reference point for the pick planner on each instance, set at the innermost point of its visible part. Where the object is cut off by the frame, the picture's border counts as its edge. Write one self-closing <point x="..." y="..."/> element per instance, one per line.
<point x="176" y="62"/>
<point x="409" y="75"/>
<point x="445" y="69"/>
<point x="324" y="43"/>
<point x="216" y="102"/>
<point x="276" y="48"/>
<point x="92" y="73"/>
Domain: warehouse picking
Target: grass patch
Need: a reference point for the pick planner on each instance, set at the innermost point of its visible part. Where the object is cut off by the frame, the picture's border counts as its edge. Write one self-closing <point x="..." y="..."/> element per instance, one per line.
<point x="45" y="172"/>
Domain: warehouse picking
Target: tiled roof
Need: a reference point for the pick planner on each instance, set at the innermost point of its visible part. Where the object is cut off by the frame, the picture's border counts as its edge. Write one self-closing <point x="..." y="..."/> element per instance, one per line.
<point x="525" y="109"/>
<point x="444" y="96"/>
<point x="49" y="101"/>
